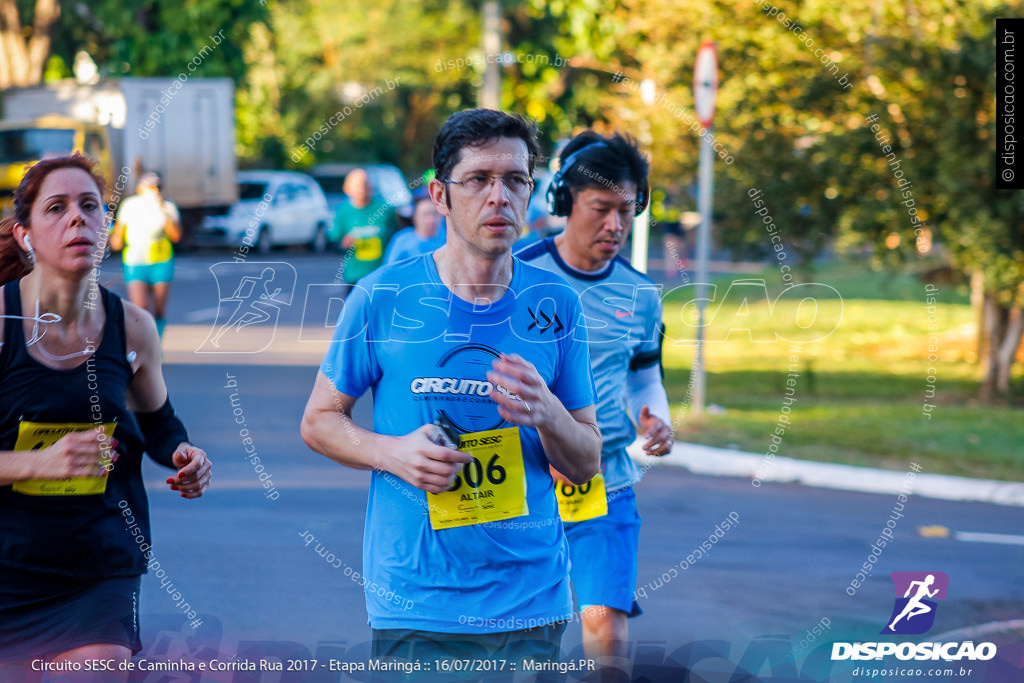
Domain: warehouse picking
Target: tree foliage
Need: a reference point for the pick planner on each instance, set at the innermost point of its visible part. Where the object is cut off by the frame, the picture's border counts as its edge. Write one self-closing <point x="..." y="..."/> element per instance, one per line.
<point x="151" y="38"/>
<point x="801" y="83"/>
<point x="315" y="69"/>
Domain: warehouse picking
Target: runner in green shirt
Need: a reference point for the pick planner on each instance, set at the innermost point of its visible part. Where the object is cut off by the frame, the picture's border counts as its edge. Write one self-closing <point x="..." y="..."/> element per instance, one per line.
<point x="363" y="225"/>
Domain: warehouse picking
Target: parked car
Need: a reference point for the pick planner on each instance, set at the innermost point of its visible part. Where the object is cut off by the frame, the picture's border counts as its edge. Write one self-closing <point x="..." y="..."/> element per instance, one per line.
<point x="387" y="181"/>
<point x="275" y="208"/>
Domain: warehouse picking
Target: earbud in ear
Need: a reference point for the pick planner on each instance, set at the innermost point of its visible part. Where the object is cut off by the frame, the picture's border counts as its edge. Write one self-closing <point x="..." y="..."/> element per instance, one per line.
<point x="31" y="251"/>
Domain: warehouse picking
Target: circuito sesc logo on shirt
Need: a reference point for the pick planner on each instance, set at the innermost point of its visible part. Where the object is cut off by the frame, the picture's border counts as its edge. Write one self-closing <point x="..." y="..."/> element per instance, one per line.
<point x="461" y="391"/>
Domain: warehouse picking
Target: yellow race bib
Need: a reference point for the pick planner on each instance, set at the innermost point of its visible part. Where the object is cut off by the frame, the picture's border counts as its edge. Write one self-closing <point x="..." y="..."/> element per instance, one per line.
<point x="368" y="249"/>
<point x="160" y="251"/>
<point x="490" y="488"/>
<point x="583" y="502"/>
<point x="33" y="436"/>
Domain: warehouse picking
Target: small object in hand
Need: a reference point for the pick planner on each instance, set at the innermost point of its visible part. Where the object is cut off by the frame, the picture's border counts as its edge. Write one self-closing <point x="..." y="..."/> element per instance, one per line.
<point x="444" y="433"/>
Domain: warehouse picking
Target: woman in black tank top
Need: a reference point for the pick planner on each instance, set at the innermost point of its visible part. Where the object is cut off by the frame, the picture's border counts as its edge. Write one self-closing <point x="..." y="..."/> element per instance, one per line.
<point x="82" y="396"/>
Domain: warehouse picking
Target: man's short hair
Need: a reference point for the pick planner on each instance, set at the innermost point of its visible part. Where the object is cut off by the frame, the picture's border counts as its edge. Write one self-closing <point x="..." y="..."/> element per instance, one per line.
<point x="605" y="166"/>
<point x="478" y="127"/>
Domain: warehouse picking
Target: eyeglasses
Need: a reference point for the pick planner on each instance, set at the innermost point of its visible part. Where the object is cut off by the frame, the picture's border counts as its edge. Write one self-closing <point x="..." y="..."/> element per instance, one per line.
<point x="518" y="184"/>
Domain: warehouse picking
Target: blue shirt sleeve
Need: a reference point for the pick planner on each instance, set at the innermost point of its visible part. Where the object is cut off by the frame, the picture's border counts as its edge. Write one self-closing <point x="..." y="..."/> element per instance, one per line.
<point x="351" y="362"/>
<point x="574" y="383"/>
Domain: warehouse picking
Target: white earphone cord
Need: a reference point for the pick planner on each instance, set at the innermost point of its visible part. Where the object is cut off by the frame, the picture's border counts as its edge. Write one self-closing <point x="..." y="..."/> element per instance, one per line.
<point x="37" y="336"/>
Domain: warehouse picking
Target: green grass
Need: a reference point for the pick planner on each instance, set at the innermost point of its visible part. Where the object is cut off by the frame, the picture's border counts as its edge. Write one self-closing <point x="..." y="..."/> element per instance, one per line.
<point x="863" y="371"/>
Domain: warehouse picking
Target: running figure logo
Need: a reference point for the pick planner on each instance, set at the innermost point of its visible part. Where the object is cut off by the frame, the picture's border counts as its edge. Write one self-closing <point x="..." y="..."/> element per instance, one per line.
<point x="914" y="613"/>
<point x="257" y="293"/>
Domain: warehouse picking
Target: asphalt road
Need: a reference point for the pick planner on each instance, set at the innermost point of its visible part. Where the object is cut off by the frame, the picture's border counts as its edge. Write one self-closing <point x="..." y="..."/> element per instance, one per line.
<point x="764" y="603"/>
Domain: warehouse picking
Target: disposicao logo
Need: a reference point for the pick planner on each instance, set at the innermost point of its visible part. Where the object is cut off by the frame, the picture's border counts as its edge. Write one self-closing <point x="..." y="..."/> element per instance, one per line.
<point x="913" y="613"/>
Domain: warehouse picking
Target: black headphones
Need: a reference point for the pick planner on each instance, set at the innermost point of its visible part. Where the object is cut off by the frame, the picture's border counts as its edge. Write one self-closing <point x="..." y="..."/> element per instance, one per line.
<point x="560" y="196"/>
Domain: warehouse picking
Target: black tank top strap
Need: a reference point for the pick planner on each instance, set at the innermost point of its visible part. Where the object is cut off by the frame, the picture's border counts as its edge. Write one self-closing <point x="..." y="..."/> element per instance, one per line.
<point x="115" y="339"/>
<point x="14" y="332"/>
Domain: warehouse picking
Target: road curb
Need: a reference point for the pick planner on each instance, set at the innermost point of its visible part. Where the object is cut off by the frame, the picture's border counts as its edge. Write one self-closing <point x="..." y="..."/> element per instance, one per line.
<point x="724" y="462"/>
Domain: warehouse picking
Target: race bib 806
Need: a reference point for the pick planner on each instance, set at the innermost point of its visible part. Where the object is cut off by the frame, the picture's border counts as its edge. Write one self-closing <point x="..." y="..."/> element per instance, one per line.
<point x="490" y="488"/>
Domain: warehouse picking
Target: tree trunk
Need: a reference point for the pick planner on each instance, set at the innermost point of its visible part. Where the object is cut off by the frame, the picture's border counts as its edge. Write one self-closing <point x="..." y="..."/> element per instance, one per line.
<point x="980" y="313"/>
<point x="5" y="59"/>
<point x="1005" y="330"/>
<point x="12" y="43"/>
<point x="45" y="18"/>
<point x="22" y="61"/>
<point x="1008" y="349"/>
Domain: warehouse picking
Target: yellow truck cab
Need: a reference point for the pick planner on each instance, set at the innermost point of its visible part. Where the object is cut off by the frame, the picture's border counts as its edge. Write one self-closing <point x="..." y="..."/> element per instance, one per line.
<point x="25" y="143"/>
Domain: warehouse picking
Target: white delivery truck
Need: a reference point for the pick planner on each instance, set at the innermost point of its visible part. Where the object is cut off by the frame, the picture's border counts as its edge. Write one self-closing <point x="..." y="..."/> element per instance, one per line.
<point x="183" y="130"/>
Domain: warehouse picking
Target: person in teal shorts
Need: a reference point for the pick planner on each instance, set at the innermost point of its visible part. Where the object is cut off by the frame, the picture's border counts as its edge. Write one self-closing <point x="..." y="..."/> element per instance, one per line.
<point x="146" y="226"/>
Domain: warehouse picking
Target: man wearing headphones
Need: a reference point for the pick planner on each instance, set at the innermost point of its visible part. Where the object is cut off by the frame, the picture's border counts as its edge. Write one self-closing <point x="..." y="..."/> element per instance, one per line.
<point x="601" y="185"/>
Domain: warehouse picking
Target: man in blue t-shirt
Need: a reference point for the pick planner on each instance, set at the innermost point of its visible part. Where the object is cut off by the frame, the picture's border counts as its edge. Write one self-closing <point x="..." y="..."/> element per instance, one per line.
<point x="601" y="185"/>
<point x="464" y="554"/>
